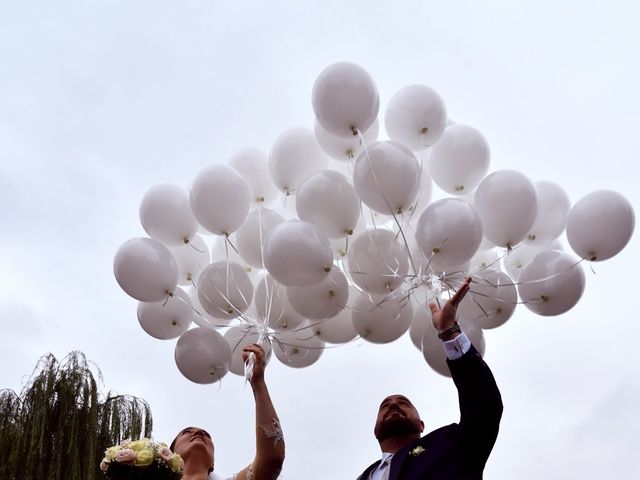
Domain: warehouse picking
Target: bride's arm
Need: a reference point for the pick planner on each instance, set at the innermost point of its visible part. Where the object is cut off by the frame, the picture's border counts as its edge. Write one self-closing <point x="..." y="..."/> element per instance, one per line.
<point x="269" y="440"/>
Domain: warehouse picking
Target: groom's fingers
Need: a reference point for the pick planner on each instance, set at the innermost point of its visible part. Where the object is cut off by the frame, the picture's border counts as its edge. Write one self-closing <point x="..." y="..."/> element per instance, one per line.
<point x="462" y="291"/>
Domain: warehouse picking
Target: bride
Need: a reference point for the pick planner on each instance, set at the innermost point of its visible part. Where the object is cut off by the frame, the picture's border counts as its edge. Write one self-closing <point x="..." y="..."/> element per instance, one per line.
<point x="196" y="447"/>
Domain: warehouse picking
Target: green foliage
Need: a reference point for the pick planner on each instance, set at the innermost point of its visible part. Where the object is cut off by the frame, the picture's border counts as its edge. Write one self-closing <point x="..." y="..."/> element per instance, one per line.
<point x="60" y="425"/>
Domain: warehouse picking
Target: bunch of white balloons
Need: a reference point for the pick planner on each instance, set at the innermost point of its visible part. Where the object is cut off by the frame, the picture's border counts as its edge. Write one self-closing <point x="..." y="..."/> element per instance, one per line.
<point x="332" y="235"/>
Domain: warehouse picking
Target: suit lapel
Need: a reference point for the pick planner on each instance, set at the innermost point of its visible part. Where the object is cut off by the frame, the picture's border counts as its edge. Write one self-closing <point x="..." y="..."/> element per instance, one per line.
<point x="398" y="461"/>
<point x="365" y="474"/>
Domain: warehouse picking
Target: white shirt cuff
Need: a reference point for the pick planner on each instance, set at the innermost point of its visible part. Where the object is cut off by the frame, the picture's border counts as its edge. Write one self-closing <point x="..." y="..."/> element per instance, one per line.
<point x="457" y="347"/>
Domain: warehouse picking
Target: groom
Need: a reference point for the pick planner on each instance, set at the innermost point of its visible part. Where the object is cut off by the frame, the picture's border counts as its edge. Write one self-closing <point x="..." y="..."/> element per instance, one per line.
<point x="455" y="452"/>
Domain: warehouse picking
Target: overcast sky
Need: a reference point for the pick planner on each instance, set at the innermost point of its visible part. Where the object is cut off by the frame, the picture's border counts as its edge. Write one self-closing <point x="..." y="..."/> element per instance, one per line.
<point x="99" y="101"/>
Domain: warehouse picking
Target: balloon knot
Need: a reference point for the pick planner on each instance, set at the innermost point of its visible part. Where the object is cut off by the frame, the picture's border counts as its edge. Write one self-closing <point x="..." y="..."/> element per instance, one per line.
<point x="531" y="236"/>
<point x="544" y="298"/>
<point x="327" y="269"/>
<point x="459" y="188"/>
<point x="424" y="130"/>
<point x="349" y="231"/>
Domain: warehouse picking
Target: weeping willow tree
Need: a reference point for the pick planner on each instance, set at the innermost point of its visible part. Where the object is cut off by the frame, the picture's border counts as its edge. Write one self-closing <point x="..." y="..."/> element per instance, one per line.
<point x="60" y="424"/>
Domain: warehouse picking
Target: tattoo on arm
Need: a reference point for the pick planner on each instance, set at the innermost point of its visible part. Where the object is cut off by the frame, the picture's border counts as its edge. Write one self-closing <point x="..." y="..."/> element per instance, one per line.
<point x="275" y="433"/>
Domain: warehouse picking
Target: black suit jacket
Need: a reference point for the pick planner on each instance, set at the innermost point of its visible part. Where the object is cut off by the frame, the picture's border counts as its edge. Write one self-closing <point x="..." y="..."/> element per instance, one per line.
<point x="458" y="451"/>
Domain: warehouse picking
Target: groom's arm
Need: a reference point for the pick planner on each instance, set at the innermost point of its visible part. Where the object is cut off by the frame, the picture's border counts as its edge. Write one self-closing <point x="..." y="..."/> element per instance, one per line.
<point x="478" y="394"/>
<point x="480" y="406"/>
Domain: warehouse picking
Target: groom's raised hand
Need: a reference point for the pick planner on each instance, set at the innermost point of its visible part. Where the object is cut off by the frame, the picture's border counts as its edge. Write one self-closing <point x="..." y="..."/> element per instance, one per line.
<point x="445" y="318"/>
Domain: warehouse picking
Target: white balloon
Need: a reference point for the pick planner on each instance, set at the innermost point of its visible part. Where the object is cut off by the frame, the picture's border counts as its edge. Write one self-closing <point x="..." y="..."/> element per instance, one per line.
<point x="220" y="199"/>
<point x="166" y="215"/>
<point x="421" y="321"/>
<point x="273" y="307"/>
<point x="450" y="231"/>
<point x="344" y="148"/>
<point x="323" y="300"/>
<point x="416" y="116"/>
<point x="239" y="337"/>
<point x="418" y="261"/>
<point x="507" y="204"/>
<point x="491" y="300"/>
<point x="202" y="318"/>
<point x="345" y="98"/>
<point x="253" y="165"/>
<point x="251" y="235"/>
<point x="330" y="202"/>
<point x="298" y="349"/>
<point x="552" y="283"/>
<point x="167" y="319"/>
<point x="600" y="225"/>
<point x="387" y="177"/>
<point x="424" y="193"/>
<point x="382" y="319"/>
<point x="485" y="261"/>
<point x="191" y="260"/>
<point x="338" y="329"/>
<point x="202" y="355"/>
<point x="553" y="209"/>
<point x="145" y="269"/>
<point x="515" y="260"/>
<point x="341" y="246"/>
<point x="225" y="290"/>
<point x="294" y="156"/>
<point x="297" y="254"/>
<point x="460" y="160"/>
<point x="377" y="261"/>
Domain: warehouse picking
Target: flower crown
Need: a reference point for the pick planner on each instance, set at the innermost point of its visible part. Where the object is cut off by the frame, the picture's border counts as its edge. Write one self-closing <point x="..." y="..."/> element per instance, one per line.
<point x="141" y="460"/>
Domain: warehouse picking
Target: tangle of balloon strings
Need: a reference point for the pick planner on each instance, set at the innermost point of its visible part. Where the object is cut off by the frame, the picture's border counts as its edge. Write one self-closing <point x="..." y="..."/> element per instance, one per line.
<point x="435" y="283"/>
<point x="260" y="325"/>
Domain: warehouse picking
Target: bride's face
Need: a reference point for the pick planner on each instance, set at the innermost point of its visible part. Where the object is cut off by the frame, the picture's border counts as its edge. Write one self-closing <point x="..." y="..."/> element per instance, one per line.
<point x="194" y="442"/>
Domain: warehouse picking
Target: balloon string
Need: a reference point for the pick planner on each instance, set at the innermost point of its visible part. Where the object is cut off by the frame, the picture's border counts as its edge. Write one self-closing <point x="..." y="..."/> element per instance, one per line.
<point x="190" y="244"/>
<point x="392" y="268"/>
<point x="375" y="178"/>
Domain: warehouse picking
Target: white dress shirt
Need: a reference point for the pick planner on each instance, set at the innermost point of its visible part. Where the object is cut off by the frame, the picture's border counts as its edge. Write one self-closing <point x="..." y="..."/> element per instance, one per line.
<point x="381" y="472"/>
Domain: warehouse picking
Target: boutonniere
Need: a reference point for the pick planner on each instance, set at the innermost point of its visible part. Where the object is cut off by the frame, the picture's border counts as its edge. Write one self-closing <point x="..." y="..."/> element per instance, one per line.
<point x="416" y="451"/>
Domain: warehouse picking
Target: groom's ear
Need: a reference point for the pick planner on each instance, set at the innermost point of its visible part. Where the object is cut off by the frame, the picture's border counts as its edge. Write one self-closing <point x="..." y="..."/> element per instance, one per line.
<point x="421" y="426"/>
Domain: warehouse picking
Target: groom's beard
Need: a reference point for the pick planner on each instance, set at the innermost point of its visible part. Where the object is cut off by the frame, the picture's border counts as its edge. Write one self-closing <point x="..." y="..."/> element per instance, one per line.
<point x="397" y="427"/>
